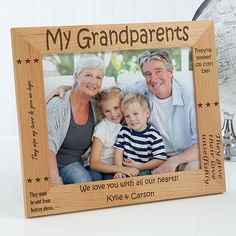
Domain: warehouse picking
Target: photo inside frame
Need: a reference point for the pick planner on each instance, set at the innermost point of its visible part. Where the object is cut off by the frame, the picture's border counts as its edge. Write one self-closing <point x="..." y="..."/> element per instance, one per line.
<point x="122" y="70"/>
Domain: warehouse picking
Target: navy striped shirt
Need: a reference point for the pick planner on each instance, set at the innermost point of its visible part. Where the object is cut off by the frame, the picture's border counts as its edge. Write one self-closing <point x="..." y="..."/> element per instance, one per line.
<point x="141" y="146"/>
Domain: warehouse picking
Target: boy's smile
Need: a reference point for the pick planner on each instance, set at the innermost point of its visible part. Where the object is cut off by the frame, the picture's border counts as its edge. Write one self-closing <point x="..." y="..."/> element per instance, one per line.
<point x="136" y="117"/>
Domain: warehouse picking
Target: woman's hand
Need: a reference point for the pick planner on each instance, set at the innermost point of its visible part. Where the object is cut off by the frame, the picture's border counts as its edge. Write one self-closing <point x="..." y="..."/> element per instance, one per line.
<point x="54" y="173"/>
<point x="56" y="180"/>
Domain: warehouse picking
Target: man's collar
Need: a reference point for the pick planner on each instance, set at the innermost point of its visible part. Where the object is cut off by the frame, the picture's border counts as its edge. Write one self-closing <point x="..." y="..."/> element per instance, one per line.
<point x="177" y="94"/>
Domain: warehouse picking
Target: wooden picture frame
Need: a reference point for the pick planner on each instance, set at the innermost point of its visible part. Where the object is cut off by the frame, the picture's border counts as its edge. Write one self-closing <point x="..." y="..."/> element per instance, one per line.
<point x="29" y="46"/>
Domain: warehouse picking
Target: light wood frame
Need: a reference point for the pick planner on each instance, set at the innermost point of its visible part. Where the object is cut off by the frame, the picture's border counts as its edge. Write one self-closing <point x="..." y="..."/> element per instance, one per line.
<point x="29" y="46"/>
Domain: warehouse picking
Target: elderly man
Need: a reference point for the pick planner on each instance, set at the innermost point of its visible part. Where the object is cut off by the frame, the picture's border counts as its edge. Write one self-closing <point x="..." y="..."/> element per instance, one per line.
<point x="172" y="111"/>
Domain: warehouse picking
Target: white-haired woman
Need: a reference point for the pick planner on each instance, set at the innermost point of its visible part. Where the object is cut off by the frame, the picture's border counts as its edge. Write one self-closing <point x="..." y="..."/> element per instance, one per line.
<point x="71" y="123"/>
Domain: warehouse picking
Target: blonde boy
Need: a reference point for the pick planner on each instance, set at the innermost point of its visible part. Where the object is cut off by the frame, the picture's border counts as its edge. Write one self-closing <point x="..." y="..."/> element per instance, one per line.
<point x="138" y="144"/>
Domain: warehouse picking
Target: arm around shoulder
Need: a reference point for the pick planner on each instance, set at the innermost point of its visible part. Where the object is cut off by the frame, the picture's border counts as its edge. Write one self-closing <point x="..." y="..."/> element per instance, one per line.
<point x="60" y="91"/>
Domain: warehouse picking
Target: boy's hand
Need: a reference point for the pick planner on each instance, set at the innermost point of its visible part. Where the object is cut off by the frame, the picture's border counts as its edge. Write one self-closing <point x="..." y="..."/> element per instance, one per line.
<point x="130" y="163"/>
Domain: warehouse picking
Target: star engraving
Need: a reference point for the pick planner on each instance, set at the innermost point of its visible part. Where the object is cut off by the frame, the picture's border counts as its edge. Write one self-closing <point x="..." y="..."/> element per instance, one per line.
<point x="19" y="61"/>
<point x="46" y="178"/>
<point x="37" y="179"/>
<point x="216" y="104"/>
<point x="36" y="60"/>
<point x="208" y="104"/>
<point x="200" y="105"/>
<point x="27" y="61"/>
<point x="29" y="180"/>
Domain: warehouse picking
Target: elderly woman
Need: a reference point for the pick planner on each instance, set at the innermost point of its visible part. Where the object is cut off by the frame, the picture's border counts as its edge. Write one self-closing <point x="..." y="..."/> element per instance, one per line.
<point x="71" y="122"/>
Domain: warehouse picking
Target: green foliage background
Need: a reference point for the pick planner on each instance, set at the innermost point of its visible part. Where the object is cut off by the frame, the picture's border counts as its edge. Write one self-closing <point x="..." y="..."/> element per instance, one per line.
<point x="120" y="61"/>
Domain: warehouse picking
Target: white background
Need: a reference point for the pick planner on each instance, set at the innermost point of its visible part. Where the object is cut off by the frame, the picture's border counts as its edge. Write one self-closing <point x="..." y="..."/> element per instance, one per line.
<point x="200" y="216"/>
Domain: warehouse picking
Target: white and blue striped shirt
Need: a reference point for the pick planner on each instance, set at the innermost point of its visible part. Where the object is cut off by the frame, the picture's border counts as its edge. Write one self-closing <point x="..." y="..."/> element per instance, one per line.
<point x="141" y="146"/>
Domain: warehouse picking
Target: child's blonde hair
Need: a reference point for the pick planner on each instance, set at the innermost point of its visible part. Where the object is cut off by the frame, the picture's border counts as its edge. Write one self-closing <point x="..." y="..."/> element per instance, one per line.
<point x="105" y="95"/>
<point x="134" y="99"/>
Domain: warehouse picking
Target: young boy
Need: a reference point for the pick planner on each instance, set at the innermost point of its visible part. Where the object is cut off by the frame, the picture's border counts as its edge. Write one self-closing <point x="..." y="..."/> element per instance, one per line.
<point x="138" y="144"/>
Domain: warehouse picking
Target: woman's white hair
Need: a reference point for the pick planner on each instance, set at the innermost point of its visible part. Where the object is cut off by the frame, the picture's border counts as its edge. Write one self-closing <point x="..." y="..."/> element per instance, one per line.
<point x="88" y="62"/>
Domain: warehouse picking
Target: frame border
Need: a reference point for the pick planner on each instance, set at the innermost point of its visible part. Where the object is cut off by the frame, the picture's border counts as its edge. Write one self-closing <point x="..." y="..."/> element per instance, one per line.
<point x="29" y="45"/>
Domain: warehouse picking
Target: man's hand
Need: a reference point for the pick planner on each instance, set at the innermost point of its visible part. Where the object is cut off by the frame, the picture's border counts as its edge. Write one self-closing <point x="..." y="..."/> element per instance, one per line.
<point x="169" y="165"/>
<point x="59" y="91"/>
<point x="56" y="92"/>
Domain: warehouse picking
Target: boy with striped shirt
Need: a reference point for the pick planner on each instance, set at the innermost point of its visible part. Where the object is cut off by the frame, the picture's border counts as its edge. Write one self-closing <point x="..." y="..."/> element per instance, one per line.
<point x="138" y="143"/>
